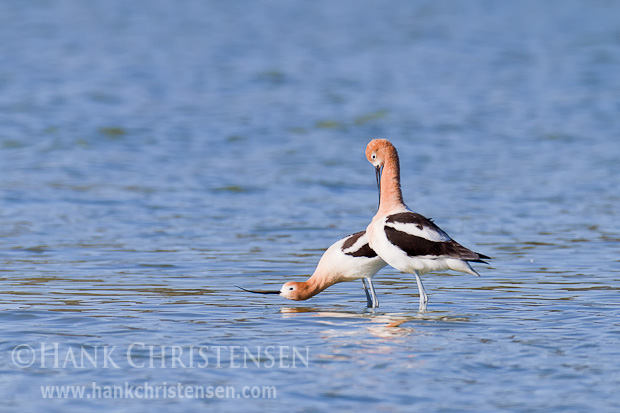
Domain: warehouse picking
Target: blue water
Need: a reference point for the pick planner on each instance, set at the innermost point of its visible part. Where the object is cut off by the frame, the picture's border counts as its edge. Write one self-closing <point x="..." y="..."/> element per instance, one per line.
<point x="154" y="155"/>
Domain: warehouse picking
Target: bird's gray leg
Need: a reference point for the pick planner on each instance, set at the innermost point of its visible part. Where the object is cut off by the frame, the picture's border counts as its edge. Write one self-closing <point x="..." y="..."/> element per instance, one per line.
<point x="423" y="296"/>
<point x="375" y="300"/>
<point x="368" y="299"/>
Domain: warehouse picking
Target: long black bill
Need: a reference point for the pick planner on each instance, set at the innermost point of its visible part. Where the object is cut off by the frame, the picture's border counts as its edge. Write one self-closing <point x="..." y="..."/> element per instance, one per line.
<point x="378" y="170"/>
<point x="259" y="292"/>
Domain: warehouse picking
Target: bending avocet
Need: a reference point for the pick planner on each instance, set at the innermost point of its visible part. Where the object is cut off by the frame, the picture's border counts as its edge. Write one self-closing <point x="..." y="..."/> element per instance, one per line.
<point x="346" y="260"/>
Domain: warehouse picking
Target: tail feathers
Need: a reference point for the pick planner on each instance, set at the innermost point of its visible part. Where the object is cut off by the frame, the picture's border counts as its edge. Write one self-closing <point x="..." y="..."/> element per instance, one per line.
<point x="463" y="263"/>
<point x="466" y="254"/>
<point x="479" y="259"/>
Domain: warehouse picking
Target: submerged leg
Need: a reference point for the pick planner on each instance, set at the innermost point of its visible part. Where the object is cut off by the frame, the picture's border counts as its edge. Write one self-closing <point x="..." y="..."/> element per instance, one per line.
<point x="368" y="299"/>
<point x="423" y="296"/>
<point x="375" y="300"/>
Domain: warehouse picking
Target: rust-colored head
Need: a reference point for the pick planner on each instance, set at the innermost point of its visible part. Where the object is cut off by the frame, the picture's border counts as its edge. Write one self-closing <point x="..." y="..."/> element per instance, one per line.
<point x="296" y="290"/>
<point x="292" y="290"/>
<point x="378" y="151"/>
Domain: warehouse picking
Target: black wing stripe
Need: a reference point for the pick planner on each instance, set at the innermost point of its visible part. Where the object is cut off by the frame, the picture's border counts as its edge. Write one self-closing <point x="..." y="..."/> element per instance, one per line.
<point x="411" y="218"/>
<point x="352" y="239"/>
<point x="417" y="246"/>
<point x="363" y="251"/>
<point x="416" y="219"/>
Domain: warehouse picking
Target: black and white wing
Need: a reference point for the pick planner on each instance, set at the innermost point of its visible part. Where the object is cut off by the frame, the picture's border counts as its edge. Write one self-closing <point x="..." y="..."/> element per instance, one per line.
<point x="356" y="245"/>
<point x="418" y="236"/>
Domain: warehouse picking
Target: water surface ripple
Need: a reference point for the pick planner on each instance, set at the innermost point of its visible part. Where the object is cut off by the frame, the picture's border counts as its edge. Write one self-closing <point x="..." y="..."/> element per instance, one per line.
<point x="154" y="155"/>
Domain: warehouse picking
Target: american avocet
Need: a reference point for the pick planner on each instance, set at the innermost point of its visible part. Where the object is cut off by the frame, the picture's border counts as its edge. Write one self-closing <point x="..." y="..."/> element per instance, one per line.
<point x="346" y="260"/>
<point x="404" y="239"/>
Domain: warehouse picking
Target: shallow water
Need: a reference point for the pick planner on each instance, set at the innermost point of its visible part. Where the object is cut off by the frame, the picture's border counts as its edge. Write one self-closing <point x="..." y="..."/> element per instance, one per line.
<point x="154" y="156"/>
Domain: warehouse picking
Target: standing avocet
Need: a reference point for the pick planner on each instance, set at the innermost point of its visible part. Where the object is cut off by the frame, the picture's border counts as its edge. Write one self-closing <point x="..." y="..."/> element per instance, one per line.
<point x="404" y="239"/>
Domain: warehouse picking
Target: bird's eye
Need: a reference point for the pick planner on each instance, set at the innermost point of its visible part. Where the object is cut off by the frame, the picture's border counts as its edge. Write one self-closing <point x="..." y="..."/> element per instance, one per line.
<point x="291" y="289"/>
<point x="374" y="156"/>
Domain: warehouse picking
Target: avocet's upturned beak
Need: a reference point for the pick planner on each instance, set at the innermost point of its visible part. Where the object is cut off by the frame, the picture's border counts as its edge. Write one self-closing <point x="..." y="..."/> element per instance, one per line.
<point x="378" y="170"/>
<point x="260" y="292"/>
